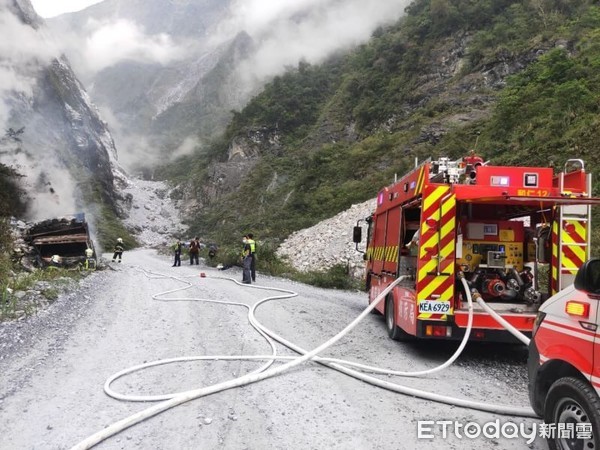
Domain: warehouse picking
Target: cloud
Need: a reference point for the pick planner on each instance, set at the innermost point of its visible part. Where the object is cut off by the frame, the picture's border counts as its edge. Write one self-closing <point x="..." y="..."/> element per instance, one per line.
<point x="310" y="30"/>
<point x="134" y="150"/>
<point x="284" y="32"/>
<point x="138" y="153"/>
<point x="108" y="43"/>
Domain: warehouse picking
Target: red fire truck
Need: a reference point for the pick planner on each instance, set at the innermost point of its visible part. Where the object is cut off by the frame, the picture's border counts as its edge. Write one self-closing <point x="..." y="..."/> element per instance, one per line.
<point x="517" y="234"/>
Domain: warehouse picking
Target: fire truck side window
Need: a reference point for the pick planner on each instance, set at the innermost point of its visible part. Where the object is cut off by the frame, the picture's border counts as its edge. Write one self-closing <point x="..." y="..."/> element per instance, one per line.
<point x="594" y="268"/>
<point x="411" y="221"/>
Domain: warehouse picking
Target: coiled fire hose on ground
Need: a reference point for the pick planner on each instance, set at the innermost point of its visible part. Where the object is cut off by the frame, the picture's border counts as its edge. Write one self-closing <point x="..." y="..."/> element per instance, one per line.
<point x="169" y="401"/>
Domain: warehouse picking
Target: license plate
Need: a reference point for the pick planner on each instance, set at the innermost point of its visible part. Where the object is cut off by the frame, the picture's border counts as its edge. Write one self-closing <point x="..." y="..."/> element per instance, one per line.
<point x="433" y="306"/>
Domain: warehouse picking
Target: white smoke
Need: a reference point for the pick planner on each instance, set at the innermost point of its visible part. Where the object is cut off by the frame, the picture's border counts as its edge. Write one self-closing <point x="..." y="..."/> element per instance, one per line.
<point x="50" y="187"/>
<point x="187" y="147"/>
<point x="52" y="191"/>
<point x="22" y="57"/>
<point x="25" y="50"/>
<point x="308" y="30"/>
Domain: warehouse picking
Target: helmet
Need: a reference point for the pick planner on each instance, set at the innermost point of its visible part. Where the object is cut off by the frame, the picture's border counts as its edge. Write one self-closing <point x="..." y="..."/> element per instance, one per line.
<point x="119" y="240"/>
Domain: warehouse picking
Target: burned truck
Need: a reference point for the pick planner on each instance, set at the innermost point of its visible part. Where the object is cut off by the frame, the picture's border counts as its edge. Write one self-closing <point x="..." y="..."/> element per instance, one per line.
<point x="63" y="242"/>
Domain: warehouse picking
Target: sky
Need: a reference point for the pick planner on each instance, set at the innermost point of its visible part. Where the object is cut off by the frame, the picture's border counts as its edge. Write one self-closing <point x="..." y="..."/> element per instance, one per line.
<point x="51" y="8"/>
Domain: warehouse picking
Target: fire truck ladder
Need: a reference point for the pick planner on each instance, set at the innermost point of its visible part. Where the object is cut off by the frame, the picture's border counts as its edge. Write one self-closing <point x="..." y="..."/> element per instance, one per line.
<point x="572" y="235"/>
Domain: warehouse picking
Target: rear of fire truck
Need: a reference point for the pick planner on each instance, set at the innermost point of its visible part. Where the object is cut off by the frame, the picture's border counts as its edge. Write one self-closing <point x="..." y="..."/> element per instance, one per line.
<point x="516" y="234"/>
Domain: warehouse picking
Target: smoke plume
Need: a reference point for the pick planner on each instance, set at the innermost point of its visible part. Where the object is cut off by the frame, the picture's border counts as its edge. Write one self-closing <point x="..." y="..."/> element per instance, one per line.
<point x="23" y="58"/>
<point x="309" y="30"/>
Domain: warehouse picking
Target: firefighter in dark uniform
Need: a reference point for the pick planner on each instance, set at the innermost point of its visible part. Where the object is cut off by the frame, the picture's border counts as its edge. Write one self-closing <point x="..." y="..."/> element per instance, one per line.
<point x="252" y="243"/>
<point x="118" y="250"/>
<point x="194" y="250"/>
<point x="246" y="261"/>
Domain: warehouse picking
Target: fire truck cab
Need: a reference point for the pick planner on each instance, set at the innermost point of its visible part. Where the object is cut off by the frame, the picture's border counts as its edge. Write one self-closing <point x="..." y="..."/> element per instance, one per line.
<point x="564" y="362"/>
<point x="517" y="234"/>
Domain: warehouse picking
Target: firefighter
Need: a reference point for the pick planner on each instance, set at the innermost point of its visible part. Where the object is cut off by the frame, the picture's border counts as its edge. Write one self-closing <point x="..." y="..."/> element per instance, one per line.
<point x="177" y="249"/>
<point x="118" y="250"/>
<point x="55" y="261"/>
<point x="252" y="242"/>
<point x="212" y="250"/>
<point x="413" y="245"/>
<point x="194" y="250"/>
<point x="90" y="263"/>
<point x="246" y="261"/>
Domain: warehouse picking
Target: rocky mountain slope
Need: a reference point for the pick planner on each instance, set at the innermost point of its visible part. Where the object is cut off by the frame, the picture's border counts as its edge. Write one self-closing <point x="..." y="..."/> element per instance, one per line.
<point x="151" y="214"/>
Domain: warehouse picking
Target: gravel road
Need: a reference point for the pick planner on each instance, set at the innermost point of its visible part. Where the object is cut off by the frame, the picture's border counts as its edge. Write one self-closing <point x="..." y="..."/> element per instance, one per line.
<point x="53" y="367"/>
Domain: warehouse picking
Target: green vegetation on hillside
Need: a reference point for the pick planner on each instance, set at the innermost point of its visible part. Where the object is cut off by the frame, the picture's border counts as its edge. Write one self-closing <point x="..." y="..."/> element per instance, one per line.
<point x="12" y="196"/>
<point x="291" y="103"/>
<point x="12" y="201"/>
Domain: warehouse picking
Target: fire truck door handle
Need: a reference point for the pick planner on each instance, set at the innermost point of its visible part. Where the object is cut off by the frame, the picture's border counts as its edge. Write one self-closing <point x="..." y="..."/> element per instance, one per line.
<point x="588" y="326"/>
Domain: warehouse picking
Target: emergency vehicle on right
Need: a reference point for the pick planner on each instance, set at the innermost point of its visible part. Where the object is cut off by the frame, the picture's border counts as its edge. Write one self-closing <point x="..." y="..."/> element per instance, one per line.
<point x="564" y="362"/>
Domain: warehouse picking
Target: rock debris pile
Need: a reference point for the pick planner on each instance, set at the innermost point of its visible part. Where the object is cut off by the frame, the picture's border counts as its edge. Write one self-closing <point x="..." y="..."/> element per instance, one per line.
<point x="329" y="243"/>
<point x="152" y="215"/>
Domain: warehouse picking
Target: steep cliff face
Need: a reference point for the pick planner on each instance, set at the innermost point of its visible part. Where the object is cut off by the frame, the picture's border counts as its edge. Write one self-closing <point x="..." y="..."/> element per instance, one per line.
<point x="201" y="105"/>
<point x="64" y="148"/>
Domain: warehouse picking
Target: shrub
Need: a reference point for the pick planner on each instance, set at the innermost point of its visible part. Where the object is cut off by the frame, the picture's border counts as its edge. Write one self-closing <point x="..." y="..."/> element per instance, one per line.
<point x="337" y="277"/>
<point x="5" y="250"/>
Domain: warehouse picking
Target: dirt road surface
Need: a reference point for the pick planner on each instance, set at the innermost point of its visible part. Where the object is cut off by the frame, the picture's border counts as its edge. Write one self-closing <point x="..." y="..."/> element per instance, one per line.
<point x="53" y="367"/>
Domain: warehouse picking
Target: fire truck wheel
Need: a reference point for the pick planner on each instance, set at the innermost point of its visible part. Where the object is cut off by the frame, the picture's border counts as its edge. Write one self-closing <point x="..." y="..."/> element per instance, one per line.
<point x="394" y="331"/>
<point x="573" y="401"/>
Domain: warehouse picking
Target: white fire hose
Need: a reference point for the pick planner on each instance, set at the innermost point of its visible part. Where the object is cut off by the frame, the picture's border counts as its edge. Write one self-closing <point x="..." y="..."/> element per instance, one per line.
<point x="168" y="401"/>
